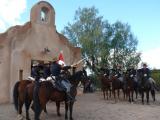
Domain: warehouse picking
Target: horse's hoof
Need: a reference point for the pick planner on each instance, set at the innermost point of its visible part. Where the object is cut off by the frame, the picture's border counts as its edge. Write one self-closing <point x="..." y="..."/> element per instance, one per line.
<point x="20" y="117"/>
<point x="66" y="118"/>
<point x="71" y="118"/>
<point x="59" y="115"/>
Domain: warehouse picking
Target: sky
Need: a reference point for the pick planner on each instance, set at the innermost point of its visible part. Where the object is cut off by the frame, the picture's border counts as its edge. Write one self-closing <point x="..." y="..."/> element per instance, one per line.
<point x="142" y="15"/>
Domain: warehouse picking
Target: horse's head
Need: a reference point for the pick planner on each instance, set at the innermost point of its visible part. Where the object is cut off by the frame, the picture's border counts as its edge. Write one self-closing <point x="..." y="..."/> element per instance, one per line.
<point x="79" y="76"/>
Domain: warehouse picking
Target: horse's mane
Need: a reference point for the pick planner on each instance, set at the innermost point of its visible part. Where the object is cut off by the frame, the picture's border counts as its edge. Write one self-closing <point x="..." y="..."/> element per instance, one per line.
<point x="76" y="75"/>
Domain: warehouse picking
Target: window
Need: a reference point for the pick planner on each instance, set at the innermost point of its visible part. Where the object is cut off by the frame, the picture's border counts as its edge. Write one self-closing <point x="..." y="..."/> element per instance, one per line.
<point x="44" y="14"/>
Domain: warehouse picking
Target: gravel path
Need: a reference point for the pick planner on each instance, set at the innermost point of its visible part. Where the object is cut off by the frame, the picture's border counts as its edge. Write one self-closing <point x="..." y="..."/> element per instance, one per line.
<point x="93" y="107"/>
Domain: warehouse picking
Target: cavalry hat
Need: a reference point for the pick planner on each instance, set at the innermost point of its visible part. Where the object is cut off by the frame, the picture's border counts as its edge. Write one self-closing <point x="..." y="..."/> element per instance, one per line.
<point x="145" y="64"/>
<point x="35" y="63"/>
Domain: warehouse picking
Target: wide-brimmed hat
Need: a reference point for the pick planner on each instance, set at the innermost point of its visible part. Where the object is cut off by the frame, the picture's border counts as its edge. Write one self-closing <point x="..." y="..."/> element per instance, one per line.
<point x="35" y="63"/>
<point x="145" y="64"/>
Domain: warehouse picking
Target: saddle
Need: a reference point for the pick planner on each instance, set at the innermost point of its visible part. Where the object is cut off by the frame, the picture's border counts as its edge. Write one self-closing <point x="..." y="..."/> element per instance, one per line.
<point x="56" y="82"/>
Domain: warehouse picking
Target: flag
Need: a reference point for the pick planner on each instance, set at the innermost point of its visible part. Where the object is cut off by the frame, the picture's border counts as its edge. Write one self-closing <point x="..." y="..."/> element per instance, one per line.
<point x="61" y="59"/>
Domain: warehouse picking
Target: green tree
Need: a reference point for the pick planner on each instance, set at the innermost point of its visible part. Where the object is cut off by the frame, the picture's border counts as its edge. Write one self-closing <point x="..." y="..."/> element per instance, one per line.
<point x="123" y="46"/>
<point x="86" y="31"/>
<point x="112" y="44"/>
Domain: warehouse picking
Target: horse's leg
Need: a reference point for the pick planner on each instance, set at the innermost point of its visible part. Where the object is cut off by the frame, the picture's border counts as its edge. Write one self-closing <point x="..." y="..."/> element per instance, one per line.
<point x="104" y="93"/>
<point x="58" y="108"/>
<point x="27" y="110"/>
<point x="20" y="105"/>
<point x="147" y="96"/>
<point x="153" y="94"/>
<point x="124" y="94"/>
<point x="71" y="110"/>
<point x="142" y="94"/>
<point x="66" y="110"/>
<point x="136" y="91"/>
<point x="132" y="95"/>
<point x="45" y="110"/>
<point x="129" y="93"/>
<point x="113" y="92"/>
<point x="118" y="93"/>
<point x="27" y="106"/>
<point x="110" y="91"/>
<point x="107" y="93"/>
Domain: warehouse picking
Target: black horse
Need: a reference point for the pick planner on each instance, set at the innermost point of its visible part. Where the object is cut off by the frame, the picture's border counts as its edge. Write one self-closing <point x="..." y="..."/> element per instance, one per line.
<point x="145" y="86"/>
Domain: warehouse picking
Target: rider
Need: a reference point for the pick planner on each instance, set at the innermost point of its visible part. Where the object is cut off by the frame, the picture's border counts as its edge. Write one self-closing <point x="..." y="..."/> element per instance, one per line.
<point x="105" y="70"/>
<point x="131" y="71"/>
<point x="147" y="73"/>
<point x="46" y="70"/>
<point x="37" y="71"/>
<point x="56" y="71"/>
<point x="119" y="72"/>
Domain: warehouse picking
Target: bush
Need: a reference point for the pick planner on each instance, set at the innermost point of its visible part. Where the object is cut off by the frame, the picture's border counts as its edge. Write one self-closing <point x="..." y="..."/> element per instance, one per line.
<point x="155" y="74"/>
<point x="96" y="82"/>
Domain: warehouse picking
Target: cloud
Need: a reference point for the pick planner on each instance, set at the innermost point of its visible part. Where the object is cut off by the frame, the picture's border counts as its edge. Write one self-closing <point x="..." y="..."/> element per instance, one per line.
<point x="10" y="12"/>
<point x="152" y="58"/>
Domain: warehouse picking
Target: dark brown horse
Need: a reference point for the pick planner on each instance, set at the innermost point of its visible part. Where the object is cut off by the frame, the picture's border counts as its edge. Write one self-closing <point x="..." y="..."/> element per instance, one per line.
<point x="117" y="85"/>
<point x="18" y="94"/>
<point x="47" y="92"/>
<point x="105" y="85"/>
<point x="129" y="86"/>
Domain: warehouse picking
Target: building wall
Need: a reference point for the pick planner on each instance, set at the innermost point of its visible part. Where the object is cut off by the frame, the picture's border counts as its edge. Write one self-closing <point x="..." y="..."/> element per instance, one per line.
<point x="21" y="44"/>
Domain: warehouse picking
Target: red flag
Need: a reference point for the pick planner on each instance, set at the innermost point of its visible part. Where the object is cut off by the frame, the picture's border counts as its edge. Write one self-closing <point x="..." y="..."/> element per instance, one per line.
<point x="61" y="59"/>
<point x="61" y="56"/>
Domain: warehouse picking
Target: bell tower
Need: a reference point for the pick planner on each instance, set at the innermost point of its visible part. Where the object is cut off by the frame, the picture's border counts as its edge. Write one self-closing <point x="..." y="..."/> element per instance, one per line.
<point x="43" y="13"/>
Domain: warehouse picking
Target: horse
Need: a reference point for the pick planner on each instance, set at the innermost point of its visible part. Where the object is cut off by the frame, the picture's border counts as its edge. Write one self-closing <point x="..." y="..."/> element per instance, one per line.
<point x="47" y="92"/>
<point x="105" y="85"/>
<point x="117" y="85"/>
<point x="145" y="86"/>
<point x="130" y="86"/>
<point x="18" y="94"/>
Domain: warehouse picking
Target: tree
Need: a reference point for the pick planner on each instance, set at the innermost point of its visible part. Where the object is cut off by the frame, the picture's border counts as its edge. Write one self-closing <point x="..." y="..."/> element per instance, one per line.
<point x="104" y="43"/>
<point x="86" y="31"/>
<point x="123" y="46"/>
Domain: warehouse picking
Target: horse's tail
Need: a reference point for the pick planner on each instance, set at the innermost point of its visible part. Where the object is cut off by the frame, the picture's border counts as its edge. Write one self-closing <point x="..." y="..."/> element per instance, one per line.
<point x="157" y="88"/>
<point x="15" y="95"/>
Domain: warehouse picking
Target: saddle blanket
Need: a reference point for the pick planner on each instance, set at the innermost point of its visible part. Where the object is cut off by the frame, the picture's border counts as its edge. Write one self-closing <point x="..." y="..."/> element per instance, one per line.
<point x="42" y="79"/>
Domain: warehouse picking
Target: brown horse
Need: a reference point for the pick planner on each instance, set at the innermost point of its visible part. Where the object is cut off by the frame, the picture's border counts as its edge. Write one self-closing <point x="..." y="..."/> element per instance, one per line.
<point x="47" y="92"/>
<point x="117" y="85"/>
<point x="105" y="85"/>
<point x="18" y="94"/>
<point x="129" y="89"/>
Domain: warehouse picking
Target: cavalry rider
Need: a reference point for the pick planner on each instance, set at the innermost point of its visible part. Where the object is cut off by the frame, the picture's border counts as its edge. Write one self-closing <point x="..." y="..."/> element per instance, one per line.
<point x="119" y="73"/>
<point x="105" y="71"/>
<point x="132" y="72"/>
<point x="37" y="71"/>
<point x="147" y="73"/>
<point x="56" y="70"/>
<point x="46" y="70"/>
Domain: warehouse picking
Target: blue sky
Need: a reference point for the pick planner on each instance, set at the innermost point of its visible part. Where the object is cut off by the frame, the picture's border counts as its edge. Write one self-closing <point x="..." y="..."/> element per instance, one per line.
<point x="142" y="15"/>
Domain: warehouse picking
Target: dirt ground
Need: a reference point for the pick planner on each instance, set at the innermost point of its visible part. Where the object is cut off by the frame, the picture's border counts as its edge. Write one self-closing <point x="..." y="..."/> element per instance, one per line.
<point x="94" y="107"/>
